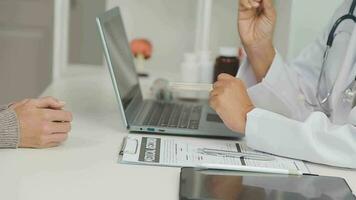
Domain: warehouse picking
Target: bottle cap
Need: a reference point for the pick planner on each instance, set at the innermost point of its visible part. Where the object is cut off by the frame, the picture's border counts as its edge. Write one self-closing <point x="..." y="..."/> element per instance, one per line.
<point x="228" y="51"/>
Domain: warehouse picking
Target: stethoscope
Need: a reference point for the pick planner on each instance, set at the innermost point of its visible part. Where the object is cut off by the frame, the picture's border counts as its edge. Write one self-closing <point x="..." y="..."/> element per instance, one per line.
<point x="350" y="92"/>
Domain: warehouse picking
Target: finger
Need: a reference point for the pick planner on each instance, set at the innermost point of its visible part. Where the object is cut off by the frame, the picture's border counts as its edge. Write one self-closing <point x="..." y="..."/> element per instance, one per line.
<point x="268" y="8"/>
<point x="219" y="83"/>
<point x="213" y="94"/>
<point x="267" y="3"/>
<point x="245" y="4"/>
<point x="49" y="102"/>
<point x="23" y="101"/>
<point x="249" y="4"/>
<point x="17" y="104"/>
<point x="254" y="3"/>
<point x="59" y="127"/>
<point x="58" y="115"/>
<point x="57" y="137"/>
<point x="222" y="84"/>
<point x="224" y="76"/>
<point x="216" y="92"/>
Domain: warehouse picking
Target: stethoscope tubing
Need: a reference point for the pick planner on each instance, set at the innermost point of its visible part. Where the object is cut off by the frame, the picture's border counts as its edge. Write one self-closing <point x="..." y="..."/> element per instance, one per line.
<point x="321" y="101"/>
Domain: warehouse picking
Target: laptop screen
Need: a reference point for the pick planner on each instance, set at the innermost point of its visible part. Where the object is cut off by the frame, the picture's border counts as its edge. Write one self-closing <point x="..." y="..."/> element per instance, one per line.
<point x="121" y="59"/>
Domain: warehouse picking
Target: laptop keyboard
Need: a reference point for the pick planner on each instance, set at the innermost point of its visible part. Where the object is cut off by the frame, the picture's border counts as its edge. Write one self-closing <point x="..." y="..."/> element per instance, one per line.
<point x="174" y="115"/>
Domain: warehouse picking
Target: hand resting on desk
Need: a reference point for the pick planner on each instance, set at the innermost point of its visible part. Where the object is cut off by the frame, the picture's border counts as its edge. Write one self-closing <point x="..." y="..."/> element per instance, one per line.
<point x="42" y="122"/>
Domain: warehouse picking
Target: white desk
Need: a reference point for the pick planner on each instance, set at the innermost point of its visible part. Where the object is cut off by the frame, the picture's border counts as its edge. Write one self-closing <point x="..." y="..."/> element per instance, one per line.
<point x="85" y="167"/>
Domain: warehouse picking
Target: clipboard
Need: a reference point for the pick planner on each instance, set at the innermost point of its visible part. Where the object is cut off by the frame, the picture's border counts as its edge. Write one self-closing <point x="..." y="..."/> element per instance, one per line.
<point x="185" y="152"/>
<point x="127" y="142"/>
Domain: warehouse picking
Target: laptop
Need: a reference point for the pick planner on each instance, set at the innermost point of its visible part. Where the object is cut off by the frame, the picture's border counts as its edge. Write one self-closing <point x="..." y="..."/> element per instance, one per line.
<point x="148" y="115"/>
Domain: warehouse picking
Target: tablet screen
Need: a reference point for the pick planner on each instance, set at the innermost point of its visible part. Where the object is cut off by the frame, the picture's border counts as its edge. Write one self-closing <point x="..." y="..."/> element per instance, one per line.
<point x="227" y="185"/>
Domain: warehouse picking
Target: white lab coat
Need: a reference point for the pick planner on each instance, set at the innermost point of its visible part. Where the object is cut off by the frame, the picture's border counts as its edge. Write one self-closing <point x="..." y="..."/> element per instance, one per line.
<point x="283" y="124"/>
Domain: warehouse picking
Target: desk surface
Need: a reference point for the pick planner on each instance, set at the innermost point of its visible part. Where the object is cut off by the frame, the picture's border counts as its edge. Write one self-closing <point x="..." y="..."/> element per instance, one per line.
<point x="85" y="167"/>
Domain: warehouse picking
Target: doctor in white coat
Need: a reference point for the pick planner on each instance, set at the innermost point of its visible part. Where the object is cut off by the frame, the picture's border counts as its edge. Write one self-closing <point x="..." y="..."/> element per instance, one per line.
<point x="293" y="109"/>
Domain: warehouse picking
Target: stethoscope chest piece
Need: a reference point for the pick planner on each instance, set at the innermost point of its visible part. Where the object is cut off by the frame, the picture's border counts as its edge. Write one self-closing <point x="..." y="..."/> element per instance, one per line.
<point x="350" y="94"/>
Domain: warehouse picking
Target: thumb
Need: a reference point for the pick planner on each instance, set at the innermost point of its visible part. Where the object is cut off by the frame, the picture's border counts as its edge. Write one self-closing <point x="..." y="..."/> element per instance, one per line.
<point x="49" y="102"/>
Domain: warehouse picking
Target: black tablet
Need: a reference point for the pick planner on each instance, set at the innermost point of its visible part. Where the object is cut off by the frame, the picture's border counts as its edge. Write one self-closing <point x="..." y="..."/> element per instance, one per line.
<point x="229" y="185"/>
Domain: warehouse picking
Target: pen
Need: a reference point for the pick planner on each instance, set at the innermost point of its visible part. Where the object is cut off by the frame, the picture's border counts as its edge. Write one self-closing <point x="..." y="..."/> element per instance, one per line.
<point x="233" y="154"/>
<point x="249" y="169"/>
<point x="123" y="146"/>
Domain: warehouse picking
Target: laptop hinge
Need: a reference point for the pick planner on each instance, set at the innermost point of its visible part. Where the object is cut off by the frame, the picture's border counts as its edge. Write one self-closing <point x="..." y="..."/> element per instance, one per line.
<point x="133" y="108"/>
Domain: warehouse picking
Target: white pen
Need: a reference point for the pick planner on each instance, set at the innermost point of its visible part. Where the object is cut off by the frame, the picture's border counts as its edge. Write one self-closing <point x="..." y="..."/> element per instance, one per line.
<point x="191" y="86"/>
<point x="249" y="169"/>
<point x="233" y="154"/>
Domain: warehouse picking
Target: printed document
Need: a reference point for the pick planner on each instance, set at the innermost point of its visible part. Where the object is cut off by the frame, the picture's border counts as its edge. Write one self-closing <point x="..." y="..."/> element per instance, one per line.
<point x="185" y="152"/>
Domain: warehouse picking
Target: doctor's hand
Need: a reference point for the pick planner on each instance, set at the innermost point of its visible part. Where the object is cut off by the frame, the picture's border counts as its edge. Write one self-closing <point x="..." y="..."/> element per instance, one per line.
<point x="231" y="102"/>
<point x="256" y="23"/>
<point x="43" y="123"/>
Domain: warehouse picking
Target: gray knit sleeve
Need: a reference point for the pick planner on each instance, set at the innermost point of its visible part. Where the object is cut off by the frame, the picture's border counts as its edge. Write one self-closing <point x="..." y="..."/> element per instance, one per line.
<point x="3" y="107"/>
<point x="9" y="128"/>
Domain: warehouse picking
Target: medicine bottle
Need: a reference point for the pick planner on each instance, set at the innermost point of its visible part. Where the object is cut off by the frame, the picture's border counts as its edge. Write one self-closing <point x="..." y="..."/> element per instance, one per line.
<point x="227" y="62"/>
<point x="190" y="69"/>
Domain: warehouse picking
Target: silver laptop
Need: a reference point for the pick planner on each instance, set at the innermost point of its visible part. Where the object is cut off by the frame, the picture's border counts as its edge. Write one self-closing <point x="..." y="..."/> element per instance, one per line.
<point x="140" y="115"/>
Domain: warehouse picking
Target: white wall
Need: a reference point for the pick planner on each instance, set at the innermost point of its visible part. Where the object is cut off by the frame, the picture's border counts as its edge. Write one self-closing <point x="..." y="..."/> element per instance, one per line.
<point x="26" y="29"/>
<point x="84" y="44"/>
<point x="308" y="20"/>
<point x="281" y="36"/>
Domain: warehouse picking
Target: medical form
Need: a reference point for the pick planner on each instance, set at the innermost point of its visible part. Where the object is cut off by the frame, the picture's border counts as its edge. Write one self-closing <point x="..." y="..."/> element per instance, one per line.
<point x="186" y="152"/>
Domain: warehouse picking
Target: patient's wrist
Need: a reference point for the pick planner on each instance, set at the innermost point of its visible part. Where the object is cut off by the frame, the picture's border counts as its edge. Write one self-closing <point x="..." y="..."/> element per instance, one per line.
<point x="261" y="58"/>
